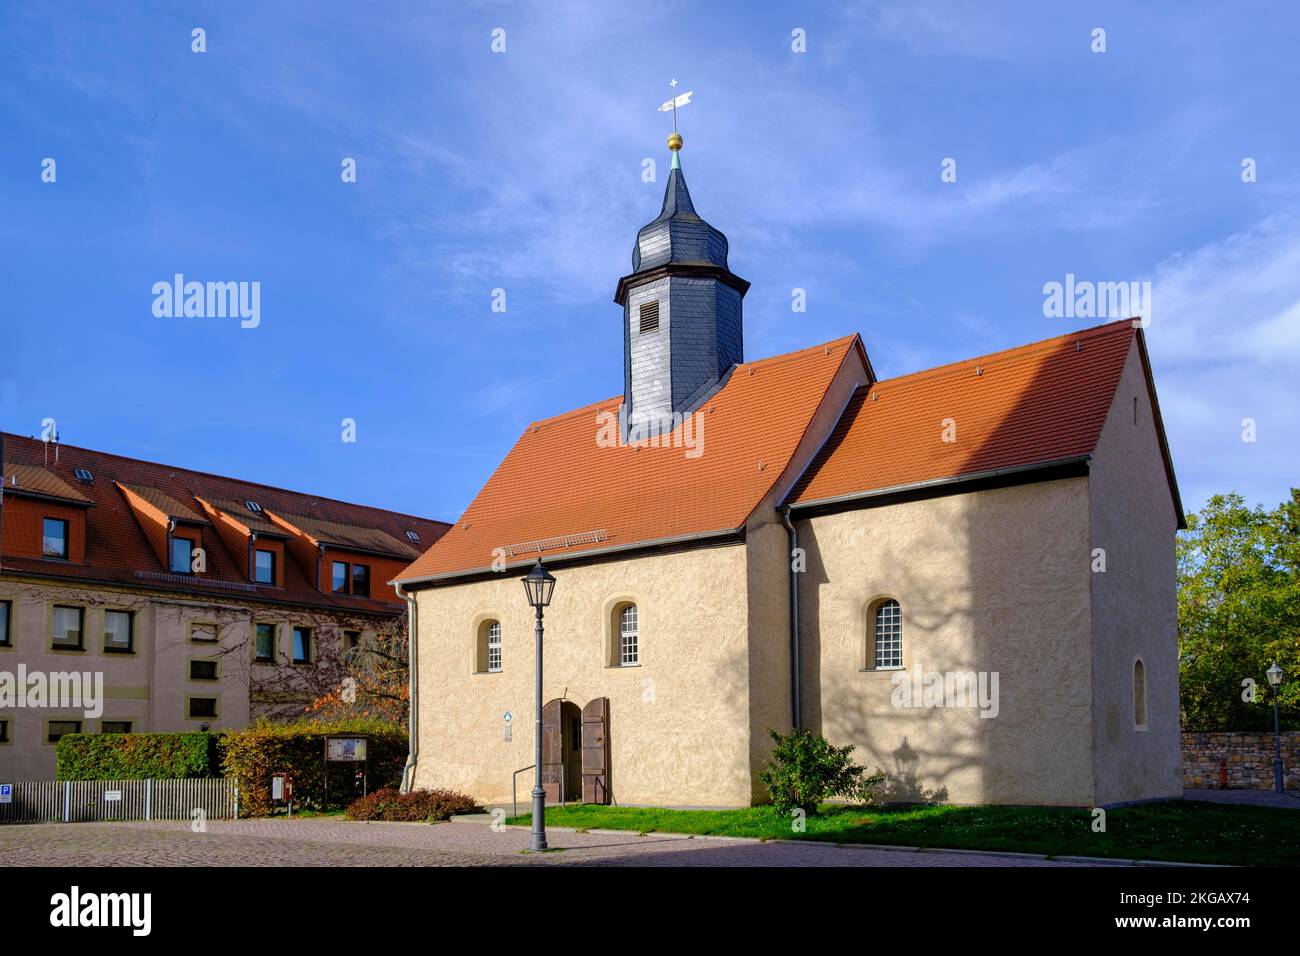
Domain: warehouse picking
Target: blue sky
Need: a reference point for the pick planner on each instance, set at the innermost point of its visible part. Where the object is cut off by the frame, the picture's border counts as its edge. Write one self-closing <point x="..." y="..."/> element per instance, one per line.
<point x="522" y="170"/>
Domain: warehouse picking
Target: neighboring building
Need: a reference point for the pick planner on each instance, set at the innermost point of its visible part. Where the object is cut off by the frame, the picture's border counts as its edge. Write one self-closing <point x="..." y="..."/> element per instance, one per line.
<point x="954" y="522"/>
<point x="203" y="601"/>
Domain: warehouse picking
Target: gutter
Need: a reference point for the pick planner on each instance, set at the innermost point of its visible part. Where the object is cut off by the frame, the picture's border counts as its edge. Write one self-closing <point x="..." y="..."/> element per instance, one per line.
<point x="413" y="685"/>
<point x="866" y="496"/>
<point x="561" y="559"/>
<point x="796" y="710"/>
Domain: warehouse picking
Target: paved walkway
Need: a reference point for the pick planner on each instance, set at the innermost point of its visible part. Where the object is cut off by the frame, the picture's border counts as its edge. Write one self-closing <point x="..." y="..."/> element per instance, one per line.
<point x="1289" y="799"/>
<point x="333" y="842"/>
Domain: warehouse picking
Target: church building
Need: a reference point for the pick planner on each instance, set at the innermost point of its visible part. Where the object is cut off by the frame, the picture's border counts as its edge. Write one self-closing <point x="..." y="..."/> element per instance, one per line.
<point x="966" y="572"/>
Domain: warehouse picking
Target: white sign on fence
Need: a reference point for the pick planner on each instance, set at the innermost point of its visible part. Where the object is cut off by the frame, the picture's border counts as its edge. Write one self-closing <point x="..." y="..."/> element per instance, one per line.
<point x="112" y="796"/>
<point x="6" y="793"/>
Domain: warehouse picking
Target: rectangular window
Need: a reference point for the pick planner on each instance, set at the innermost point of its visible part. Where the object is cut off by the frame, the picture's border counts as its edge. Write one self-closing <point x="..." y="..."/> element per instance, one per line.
<point x="340" y="577"/>
<point x="55" y="541"/>
<point x="60" y="727"/>
<point x="351" y="640"/>
<point x="265" y="649"/>
<point x="264" y="566"/>
<point x="119" y="631"/>
<point x="627" y="637"/>
<point x="494" y="647"/>
<point x="6" y="618"/>
<point x="203" y="632"/>
<point x="67" y="628"/>
<point x="302" y="645"/>
<point x="649" y="315"/>
<point x="361" y="580"/>
<point x="203" y="707"/>
<point x="182" y="555"/>
<point x="889" y="636"/>
<point x="4" y="731"/>
<point x="203" y="670"/>
<point x="115" y="726"/>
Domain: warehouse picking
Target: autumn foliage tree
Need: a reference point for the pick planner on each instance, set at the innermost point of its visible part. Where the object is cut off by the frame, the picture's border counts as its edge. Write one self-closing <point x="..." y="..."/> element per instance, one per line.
<point x="372" y="682"/>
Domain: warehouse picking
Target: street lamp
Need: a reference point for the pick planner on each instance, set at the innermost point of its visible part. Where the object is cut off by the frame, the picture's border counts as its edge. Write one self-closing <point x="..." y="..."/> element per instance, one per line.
<point x="1275" y="682"/>
<point x="539" y="584"/>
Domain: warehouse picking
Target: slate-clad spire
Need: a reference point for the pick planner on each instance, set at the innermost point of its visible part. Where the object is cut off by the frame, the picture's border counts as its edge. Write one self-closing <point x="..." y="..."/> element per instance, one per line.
<point x="682" y="328"/>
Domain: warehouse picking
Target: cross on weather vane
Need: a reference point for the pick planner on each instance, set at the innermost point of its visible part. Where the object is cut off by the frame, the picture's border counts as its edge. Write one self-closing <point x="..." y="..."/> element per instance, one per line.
<point x="671" y="105"/>
<point x="675" y="140"/>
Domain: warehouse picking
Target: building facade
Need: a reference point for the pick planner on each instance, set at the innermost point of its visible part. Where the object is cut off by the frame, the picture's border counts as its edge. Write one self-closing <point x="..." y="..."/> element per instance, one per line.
<point x="138" y="597"/>
<point x="967" y="573"/>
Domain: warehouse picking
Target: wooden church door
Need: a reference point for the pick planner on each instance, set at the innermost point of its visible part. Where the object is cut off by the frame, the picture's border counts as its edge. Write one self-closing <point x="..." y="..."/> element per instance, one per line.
<point x="552" y="751"/>
<point x="595" y="751"/>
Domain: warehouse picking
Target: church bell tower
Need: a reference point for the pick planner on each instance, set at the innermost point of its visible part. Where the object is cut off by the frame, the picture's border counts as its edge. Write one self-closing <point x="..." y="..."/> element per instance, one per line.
<point x="682" y="326"/>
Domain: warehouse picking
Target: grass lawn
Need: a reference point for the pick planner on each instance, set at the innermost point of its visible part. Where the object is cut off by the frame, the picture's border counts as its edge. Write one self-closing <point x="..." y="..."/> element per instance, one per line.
<point x="1182" y="831"/>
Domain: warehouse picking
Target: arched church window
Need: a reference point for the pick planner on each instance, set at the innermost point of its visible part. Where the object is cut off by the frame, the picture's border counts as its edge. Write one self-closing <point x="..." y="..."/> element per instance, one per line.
<point x="488" y="648"/>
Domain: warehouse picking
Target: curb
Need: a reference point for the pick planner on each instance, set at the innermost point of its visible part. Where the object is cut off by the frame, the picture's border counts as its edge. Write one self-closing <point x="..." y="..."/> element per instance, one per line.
<point x="482" y="818"/>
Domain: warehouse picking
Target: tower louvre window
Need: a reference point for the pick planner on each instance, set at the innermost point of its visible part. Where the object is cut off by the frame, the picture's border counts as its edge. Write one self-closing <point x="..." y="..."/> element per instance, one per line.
<point x="649" y="316"/>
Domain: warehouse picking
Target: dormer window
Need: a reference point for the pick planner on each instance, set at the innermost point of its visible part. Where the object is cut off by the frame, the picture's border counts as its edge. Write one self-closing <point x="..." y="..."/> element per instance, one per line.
<point x="264" y="566"/>
<point x="54" y="541"/>
<point x="182" y="555"/>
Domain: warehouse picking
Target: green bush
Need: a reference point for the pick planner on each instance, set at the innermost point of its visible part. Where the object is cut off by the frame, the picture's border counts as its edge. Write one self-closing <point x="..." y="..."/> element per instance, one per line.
<point x="418" y="806"/>
<point x="136" y="756"/>
<point x="805" y="769"/>
<point x="251" y="756"/>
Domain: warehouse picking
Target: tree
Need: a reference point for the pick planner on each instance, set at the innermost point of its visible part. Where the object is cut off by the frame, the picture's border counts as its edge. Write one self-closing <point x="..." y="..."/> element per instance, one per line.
<point x="1238" y="612"/>
<point x="373" y="681"/>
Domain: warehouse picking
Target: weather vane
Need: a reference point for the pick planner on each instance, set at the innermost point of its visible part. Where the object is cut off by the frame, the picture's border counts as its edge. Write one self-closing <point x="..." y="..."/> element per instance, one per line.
<point x="675" y="140"/>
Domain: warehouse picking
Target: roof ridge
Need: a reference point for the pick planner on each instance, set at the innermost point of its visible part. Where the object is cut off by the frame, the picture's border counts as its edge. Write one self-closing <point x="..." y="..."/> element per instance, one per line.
<point x="1013" y="354"/>
<point x="240" y="481"/>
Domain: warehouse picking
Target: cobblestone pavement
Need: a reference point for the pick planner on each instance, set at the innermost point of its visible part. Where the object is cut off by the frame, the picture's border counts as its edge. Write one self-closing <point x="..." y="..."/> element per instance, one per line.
<point x="333" y="842"/>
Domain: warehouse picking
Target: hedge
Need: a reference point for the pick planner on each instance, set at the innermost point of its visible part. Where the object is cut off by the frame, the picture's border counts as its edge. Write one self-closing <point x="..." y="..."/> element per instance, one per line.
<point x="136" y="756"/>
<point x="418" y="806"/>
<point x="251" y="756"/>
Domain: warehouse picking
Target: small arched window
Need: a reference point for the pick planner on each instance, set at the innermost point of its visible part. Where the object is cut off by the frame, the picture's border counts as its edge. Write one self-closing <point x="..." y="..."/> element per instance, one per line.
<point x="888" y="635"/>
<point x="628" y="644"/>
<point x="1139" y="695"/>
<point x="488" y="648"/>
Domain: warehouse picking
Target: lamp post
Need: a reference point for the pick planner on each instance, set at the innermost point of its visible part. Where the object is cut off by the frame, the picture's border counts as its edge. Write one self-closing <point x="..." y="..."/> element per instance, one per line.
<point x="539" y="584"/>
<point x="1275" y="684"/>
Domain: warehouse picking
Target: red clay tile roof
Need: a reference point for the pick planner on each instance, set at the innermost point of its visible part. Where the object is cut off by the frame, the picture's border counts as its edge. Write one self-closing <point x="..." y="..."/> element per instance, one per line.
<point x="118" y="552"/>
<point x="1029" y="405"/>
<point x="36" y="480"/>
<point x="558" y="481"/>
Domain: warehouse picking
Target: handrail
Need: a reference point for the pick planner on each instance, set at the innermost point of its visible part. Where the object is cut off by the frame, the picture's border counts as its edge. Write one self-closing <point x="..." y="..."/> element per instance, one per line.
<point x="514" y="783"/>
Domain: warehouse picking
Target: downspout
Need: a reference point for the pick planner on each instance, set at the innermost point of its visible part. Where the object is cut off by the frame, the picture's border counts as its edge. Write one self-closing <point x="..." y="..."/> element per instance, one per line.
<point x="413" y="683"/>
<point x="796" y="709"/>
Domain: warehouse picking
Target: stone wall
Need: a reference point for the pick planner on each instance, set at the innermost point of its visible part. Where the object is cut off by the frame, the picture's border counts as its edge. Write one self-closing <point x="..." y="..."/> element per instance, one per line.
<point x="1249" y="759"/>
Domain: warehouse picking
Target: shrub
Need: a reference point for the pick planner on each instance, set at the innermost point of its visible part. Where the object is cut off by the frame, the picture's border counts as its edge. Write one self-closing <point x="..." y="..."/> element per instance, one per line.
<point x="252" y="755"/>
<point x="136" y="756"/>
<point x="417" y="806"/>
<point x="805" y="769"/>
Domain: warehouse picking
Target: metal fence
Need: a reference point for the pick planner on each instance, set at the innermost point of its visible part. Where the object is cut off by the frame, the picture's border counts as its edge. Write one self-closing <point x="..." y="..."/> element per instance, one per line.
<point x="76" y="801"/>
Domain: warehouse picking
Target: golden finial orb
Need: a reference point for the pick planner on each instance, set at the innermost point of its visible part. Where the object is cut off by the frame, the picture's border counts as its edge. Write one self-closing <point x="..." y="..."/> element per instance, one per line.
<point x="675" y="141"/>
